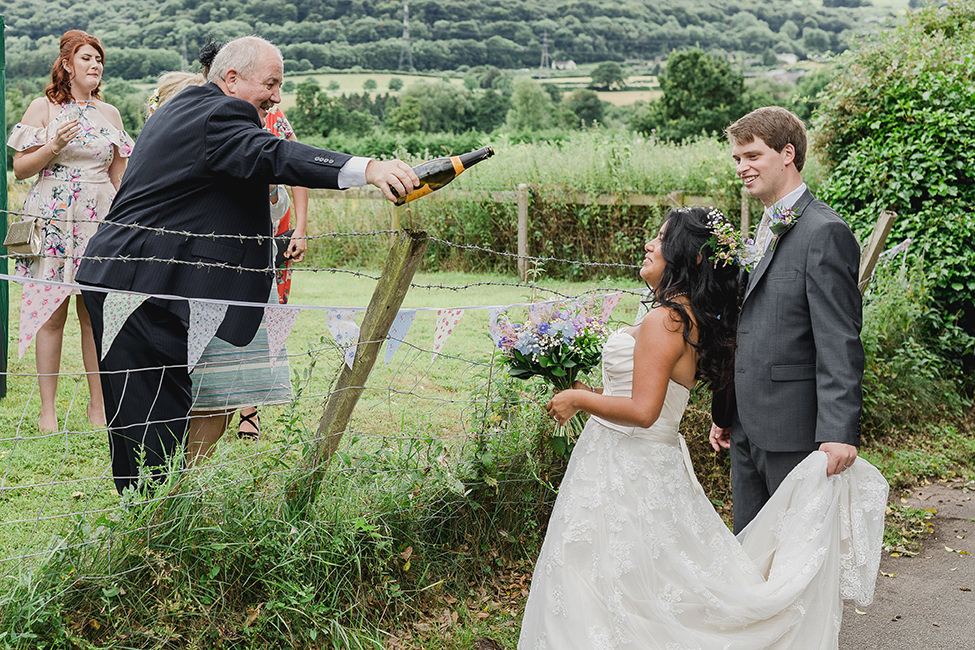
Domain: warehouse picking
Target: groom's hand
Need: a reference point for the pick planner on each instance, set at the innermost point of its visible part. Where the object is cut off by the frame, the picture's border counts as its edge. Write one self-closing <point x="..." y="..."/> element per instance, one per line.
<point x="720" y="437"/>
<point x="841" y="456"/>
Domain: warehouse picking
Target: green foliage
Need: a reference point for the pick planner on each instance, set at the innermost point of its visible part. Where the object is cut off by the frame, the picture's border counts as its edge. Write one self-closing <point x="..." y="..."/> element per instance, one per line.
<point x="585" y="106"/>
<point x="702" y="94"/>
<point x="315" y="35"/>
<point x="806" y="97"/>
<point x="432" y="107"/>
<point x="907" y="382"/>
<point x="395" y="84"/>
<point x="531" y="107"/>
<point x="896" y="127"/>
<point x="608" y="75"/>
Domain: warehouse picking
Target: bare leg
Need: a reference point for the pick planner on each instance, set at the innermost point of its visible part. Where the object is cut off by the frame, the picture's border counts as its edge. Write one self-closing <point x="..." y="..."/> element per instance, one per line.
<point x="96" y="406"/>
<point x="206" y="428"/>
<point x="47" y="349"/>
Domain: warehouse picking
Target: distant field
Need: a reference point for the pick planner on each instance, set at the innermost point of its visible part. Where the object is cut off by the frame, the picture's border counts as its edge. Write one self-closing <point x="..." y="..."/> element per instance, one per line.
<point x="352" y="82"/>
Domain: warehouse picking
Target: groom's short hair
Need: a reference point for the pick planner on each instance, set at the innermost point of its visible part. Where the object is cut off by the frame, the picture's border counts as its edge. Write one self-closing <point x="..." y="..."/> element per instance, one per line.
<point x="776" y="127"/>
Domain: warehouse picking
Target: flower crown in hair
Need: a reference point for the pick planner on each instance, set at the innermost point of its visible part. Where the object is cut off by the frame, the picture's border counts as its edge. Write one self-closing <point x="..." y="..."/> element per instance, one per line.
<point x="726" y="245"/>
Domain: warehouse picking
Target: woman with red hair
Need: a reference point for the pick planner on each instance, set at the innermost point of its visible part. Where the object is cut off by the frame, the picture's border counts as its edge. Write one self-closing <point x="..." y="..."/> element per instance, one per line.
<point x="76" y="145"/>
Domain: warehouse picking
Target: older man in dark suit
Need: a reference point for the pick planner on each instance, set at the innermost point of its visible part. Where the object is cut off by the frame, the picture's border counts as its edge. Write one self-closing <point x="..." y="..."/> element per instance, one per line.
<point x="799" y="362"/>
<point x="201" y="167"/>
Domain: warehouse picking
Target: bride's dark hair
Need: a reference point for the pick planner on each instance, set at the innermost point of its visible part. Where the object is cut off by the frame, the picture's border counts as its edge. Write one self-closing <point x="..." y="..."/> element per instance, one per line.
<point x="711" y="288"/>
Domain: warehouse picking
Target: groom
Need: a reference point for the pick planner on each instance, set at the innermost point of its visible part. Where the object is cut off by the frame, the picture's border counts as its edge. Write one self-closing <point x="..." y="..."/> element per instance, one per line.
<point x="799" y="362"/>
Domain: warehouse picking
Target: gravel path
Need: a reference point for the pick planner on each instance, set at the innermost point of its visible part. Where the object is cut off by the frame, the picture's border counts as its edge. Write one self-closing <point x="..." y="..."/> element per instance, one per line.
<point x="925" y="602"/>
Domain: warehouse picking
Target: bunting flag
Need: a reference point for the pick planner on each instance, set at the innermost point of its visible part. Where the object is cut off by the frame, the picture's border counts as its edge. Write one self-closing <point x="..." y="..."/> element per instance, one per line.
<point x="37" y="303"/>
<point x="397" y="332"/>
<point x="493" y="328"/>
<point x="341" y="323"/>
<point x="539" y="311"/>
<point x="205" y="319"/>
<point x="447" y="320"/>
<point x="115" y="311"/>
<point x="609" y="304"/>
<point x="279" y="322"/>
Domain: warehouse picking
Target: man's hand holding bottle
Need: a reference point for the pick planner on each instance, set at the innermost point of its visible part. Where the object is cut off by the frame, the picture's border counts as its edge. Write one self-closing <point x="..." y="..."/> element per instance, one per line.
<point x="393" y="177"/>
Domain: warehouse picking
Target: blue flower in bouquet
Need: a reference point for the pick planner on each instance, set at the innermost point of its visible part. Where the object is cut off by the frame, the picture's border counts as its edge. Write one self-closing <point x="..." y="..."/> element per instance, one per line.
<point x="556" y="344"/>
<point x="527" y="343"/>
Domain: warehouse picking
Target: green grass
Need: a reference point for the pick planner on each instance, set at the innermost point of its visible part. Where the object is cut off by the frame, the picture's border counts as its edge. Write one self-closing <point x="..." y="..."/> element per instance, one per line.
<point x="412" y="397"/>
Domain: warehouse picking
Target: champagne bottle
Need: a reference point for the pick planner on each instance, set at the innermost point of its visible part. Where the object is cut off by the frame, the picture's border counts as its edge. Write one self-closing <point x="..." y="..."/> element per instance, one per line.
<point x="437" y="172"/>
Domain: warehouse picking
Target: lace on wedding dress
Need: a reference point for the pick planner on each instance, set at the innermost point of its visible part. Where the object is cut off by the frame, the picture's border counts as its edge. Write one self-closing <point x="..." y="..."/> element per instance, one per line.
<point x="636" y="557"/>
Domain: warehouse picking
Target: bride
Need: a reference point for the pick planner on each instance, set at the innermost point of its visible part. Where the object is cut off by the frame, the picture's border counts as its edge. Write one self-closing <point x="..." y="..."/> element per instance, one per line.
<point x="635" y="556"/>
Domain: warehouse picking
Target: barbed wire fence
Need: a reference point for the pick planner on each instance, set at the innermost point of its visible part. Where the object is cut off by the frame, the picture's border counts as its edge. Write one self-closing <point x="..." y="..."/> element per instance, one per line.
<point x="418" y="419"/>
<point x="435" y="420"/>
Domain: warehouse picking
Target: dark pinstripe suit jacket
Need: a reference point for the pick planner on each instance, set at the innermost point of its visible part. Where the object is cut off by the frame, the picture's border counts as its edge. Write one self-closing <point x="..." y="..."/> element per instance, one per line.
<point x="202" y="165"/>
<point x="799" y="362"/>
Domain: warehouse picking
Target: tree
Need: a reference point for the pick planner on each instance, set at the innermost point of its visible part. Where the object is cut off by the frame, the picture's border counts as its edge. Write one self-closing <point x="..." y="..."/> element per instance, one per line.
<point x="531" y="107"/>
<point x="490" y="109"/>
<point x="896" y="128"/>
<point x="395" y="84"/>
<point x="369" y="85"/>
<point x="701" y="94"/>
<point x="432" y="107"/>
<point x="805" y="99"/>
<point x="585" y="105"/>
<point x="608" y="75"/>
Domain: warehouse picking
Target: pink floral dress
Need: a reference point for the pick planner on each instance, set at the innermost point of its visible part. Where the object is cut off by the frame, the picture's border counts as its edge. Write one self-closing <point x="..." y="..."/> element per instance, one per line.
<point x="72" y="194"/>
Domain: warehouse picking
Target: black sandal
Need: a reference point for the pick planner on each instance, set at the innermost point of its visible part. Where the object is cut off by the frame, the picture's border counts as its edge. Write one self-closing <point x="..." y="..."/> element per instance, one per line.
<point x="249" y="419"/>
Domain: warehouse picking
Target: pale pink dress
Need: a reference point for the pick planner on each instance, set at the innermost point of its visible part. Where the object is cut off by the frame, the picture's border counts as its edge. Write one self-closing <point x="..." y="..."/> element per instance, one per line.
<point x="72" y="194"/>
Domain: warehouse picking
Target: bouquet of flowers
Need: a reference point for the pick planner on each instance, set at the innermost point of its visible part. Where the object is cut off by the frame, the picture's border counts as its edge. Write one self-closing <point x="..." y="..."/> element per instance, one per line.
<point x="557" y="343"/>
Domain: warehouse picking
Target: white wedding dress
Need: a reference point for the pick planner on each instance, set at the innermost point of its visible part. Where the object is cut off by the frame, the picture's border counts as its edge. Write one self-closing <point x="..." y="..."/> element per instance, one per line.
<point x="636" y="557"/>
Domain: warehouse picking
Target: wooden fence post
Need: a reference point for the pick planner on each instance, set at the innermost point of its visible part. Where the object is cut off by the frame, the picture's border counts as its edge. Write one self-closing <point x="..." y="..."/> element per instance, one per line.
<point x="875" y="246"/>
<point x="523" y="198"/>
<point x="401" y="264"/>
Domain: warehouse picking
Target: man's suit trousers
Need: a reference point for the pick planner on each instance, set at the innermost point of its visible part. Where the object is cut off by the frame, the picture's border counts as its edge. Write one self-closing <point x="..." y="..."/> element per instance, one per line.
<point x="147" y="390"/>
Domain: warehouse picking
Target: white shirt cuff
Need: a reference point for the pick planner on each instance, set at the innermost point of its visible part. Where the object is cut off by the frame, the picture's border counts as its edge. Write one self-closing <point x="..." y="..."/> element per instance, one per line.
<point x="353" y="172"/>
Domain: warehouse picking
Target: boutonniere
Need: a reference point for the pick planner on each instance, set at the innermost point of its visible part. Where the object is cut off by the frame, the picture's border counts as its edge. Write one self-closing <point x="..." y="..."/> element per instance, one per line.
<point x="781" y="220"/>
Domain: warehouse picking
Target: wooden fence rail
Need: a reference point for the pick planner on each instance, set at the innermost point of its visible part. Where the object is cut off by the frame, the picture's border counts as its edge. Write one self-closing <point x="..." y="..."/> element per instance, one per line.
<point x="523" y="196"/>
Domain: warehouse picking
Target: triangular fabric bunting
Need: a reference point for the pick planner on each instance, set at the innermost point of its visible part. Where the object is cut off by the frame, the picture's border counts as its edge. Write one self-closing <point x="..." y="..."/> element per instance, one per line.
<point x="115" y="311"/>
<point x="37" y="303"/>
<point x="539" y="311"/>
<point x="341" y="323"/>
<point x="279" y="322"/>
<point x="446" y="322"/>
<point x="493" y="328"/>
<point x="609" y="304"/>
<point x="205" y="319"/>
<point x="397" y="332"/>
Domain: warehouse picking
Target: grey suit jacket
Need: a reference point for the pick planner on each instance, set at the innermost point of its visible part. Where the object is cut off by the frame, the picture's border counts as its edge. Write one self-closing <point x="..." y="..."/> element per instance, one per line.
<point x="799" y="362"/>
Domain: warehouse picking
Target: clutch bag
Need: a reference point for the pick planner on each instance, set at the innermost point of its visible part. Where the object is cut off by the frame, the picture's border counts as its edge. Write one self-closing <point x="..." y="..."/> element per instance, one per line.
<point x="25" y="238"/>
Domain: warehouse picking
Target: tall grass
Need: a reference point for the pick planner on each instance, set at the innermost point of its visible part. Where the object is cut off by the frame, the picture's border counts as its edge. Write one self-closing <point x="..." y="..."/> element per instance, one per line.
<point x="594" y="162"/>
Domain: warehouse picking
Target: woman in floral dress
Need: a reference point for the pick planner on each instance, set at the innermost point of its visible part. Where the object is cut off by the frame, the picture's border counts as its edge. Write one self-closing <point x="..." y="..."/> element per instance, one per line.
<point x="76" y="145"/>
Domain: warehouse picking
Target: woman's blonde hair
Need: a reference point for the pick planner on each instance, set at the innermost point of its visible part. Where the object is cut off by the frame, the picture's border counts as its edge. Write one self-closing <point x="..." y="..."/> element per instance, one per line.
<point x="169" y="86"/>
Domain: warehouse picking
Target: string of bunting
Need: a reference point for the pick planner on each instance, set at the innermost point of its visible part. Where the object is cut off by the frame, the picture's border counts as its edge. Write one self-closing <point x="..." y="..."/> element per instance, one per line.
<point x="206" y="315"/>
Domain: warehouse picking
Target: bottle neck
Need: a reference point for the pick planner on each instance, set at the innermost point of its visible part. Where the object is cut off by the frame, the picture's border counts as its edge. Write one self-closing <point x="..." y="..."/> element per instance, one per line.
<point x="474" y="157"/>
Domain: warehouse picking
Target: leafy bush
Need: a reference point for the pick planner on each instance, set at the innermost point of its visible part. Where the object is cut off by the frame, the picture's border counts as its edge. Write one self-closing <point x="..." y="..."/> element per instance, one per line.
<point x="907" y="384"/>
<point x="896" y="128"/>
